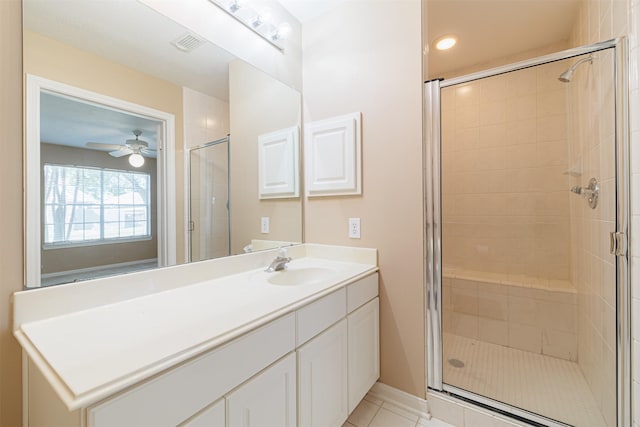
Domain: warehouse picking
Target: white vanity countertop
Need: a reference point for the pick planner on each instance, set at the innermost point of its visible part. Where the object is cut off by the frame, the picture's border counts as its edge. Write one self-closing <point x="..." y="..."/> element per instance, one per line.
<point x="92" y="351"/>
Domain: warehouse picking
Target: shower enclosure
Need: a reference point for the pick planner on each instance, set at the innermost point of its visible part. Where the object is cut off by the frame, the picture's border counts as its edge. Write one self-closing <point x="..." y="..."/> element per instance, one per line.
<point x="209" y="212"/>
<point x="527" y="211"/>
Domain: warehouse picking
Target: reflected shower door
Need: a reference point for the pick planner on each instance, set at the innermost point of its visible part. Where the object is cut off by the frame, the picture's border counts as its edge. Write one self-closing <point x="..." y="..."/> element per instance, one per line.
<point x="209" y="216"/>
<point x="528" y="199"/>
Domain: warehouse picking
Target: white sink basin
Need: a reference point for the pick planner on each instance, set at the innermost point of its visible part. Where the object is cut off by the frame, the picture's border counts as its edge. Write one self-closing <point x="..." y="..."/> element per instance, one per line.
<point x="299" y="276"/>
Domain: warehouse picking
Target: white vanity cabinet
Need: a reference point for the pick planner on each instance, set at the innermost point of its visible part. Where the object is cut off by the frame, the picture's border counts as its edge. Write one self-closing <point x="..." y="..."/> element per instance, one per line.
<point x="364" y="351"/>
<point x="306" y="361"/>
<point x="213" y="415"/>
<point x="339" y="366"/>
<point x="322" y="379"/>
<point x="269" y="399"/>
<point x="177" y="395"/>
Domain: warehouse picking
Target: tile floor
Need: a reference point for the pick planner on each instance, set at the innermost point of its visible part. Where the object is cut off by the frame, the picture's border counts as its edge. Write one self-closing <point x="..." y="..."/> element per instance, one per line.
<point x="373" y="412"/>
<point x="542" y="384"/>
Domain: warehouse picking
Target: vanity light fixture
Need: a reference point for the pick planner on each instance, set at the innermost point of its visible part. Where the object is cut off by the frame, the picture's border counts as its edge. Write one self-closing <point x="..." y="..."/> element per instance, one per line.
<point x="446" y="42"/>
<point x="260" y="22"/>
<point x="136" y="160"/>
<point x="262" y="17"/>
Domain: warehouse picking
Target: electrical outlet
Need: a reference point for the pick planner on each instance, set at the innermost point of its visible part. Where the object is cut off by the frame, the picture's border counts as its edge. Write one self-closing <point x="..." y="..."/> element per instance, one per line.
<point x="264" y="225"/>
<point x="354" y="228"/>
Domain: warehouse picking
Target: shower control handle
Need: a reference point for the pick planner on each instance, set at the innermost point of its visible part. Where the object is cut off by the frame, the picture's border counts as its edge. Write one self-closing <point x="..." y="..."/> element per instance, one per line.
<point x="590" y="192"/>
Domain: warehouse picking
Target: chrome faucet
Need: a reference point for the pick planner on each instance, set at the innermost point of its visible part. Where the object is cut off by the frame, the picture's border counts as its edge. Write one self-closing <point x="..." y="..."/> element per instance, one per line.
<point x="280" y="261"/>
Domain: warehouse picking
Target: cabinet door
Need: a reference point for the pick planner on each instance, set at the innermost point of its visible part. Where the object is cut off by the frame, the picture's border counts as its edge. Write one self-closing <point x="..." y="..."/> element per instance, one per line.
<point x="364" y="351"/>
<point x="212" y="416"/>
<point x="322" y="374"/>
<point x="269" y="399"/>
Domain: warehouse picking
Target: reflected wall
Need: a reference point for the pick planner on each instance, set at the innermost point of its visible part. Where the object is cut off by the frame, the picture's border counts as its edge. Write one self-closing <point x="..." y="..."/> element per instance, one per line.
<point x="258" y="105"/>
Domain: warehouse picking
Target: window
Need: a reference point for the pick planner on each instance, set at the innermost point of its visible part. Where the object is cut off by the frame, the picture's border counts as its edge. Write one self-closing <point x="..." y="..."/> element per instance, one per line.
<point x="83" y="204"/>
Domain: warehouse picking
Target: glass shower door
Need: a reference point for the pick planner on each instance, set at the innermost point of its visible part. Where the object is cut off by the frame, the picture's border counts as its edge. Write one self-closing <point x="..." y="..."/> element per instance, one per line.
<point x="527" y="204"/>
<point x="209" y="217"/>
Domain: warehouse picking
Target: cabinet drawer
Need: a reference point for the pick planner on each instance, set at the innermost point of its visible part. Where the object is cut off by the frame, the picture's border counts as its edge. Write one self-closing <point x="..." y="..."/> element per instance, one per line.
<point x="318" y="316"/>
<point x="171" y="398"/>
<point x="362" y="291"/>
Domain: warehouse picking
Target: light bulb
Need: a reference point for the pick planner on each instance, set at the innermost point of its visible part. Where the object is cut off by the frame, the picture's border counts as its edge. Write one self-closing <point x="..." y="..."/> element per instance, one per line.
<point x="282" y="32"/>
<point x="136" y="160"/>
<point x="235" y="5"/>
<point x="262" y="17"/>
<point x="446" y="42"/>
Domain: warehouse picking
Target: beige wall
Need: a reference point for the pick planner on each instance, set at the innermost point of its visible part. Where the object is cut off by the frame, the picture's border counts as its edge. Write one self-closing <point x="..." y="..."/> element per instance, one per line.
<point x="258" y="104"/>
<point x="366" y="56"/>
<point x="63" y="259"/>
<point x="53" y="60"/>
<point x="11" y="223"/>
<point x="505" y="204"/>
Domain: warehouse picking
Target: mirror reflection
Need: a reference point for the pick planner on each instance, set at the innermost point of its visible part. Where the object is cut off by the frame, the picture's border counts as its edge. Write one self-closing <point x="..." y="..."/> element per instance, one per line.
<point x="146" y="138"/>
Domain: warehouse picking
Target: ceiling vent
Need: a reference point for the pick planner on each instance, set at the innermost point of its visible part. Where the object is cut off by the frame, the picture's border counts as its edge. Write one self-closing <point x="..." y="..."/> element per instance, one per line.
<point x="188" y="42"/>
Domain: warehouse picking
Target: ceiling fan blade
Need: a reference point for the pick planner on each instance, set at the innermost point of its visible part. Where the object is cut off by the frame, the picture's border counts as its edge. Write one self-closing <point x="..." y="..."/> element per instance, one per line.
<point x="120" y="153"/>
<point x="105" y="147"/>
<point x="148" y="151"/>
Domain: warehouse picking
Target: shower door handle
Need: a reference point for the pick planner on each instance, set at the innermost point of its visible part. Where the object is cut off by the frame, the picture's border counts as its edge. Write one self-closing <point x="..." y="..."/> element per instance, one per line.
<point x="617" y="243"/>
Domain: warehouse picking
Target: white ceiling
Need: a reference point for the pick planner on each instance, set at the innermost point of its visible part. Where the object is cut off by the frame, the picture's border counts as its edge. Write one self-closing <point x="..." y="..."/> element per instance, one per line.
<point x="66" y="121"/>
<point x="306" y="10"/>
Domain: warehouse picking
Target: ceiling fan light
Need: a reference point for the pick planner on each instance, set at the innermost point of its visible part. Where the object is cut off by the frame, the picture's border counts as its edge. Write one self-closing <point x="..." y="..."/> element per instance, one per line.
<point x="136" y="160"/>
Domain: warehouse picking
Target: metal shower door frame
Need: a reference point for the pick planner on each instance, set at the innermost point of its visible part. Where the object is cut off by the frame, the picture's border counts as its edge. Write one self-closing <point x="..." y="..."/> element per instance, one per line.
<point x="433" y="225"/>
<point x="189" y="233"/>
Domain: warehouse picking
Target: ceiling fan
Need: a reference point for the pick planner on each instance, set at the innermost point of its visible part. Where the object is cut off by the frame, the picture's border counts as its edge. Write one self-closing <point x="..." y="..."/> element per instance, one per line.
<point x="135" y="148"/>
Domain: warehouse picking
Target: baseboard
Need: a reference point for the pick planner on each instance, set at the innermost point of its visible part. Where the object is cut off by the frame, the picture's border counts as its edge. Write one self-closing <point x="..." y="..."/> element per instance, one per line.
<point x="401" y="399"/>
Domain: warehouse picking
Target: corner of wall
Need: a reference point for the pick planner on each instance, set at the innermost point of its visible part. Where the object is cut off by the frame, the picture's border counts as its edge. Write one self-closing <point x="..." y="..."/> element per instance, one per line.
<point x="11" y="222"/>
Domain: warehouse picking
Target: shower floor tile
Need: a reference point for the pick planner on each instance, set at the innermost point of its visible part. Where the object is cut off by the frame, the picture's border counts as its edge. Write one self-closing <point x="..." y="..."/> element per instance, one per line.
<point x="537" y="383"/>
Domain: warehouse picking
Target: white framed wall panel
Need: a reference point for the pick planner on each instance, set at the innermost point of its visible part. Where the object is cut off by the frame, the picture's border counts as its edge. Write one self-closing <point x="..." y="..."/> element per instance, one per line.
<point x="333" y="156"/>
<point x="278" y="164"/>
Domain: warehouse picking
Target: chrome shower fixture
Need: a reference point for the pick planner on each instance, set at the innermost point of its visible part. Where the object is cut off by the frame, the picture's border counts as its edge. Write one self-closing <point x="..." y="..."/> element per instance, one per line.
<point x="568" y="75"/>
<point x="590" y="192"/>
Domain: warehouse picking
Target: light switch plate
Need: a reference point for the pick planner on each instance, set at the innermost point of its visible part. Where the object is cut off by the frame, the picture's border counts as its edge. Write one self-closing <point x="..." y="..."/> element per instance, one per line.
<point x="264" y="225"/>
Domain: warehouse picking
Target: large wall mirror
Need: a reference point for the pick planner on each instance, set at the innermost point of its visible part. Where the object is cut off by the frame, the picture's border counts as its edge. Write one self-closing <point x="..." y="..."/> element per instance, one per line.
<point x="143" y="144"/>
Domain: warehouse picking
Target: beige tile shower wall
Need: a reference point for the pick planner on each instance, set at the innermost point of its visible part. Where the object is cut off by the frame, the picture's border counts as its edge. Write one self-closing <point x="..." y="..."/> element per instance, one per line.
<point x="505" y="199"/>
<point x="205" y="118"/>
<point x="536" y="320"/>
<point x="591" y="152"/>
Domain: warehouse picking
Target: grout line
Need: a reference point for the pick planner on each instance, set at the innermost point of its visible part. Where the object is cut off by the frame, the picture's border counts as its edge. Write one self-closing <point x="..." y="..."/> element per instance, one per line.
<point x="374" y="416"/>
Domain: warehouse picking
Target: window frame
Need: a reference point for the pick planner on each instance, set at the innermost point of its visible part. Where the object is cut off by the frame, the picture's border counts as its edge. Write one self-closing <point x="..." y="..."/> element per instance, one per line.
<point x="102" y="240"/>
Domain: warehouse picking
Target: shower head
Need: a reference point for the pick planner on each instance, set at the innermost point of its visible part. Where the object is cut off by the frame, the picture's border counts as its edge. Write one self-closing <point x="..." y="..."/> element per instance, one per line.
<point x="568" y="75"/>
